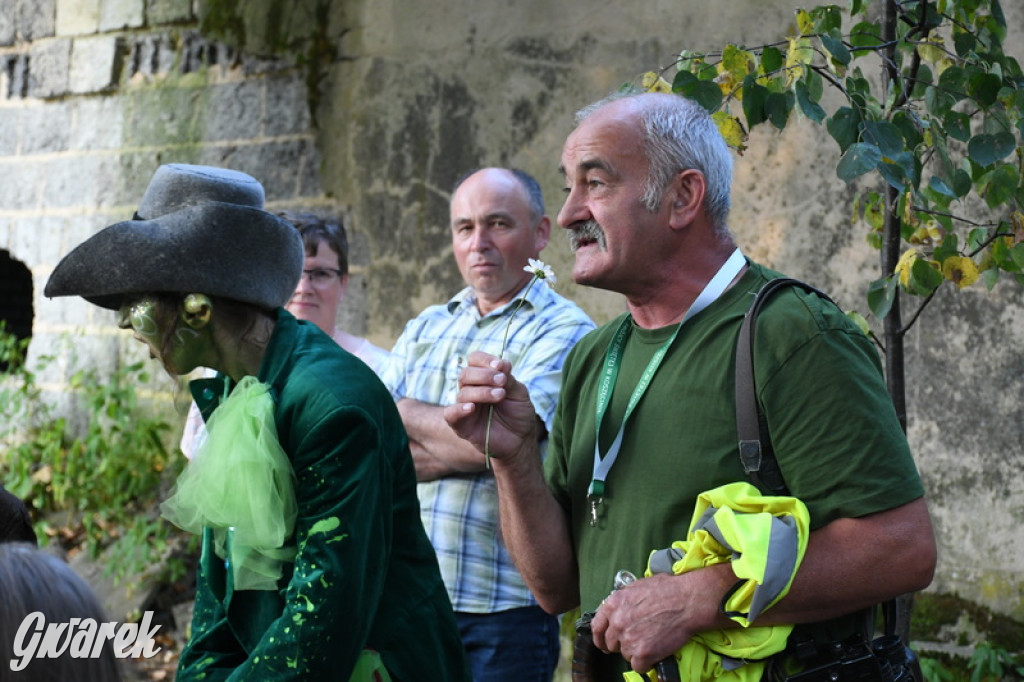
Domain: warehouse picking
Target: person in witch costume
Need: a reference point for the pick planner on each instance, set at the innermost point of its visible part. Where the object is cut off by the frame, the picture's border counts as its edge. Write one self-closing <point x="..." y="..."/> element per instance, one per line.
<point x="314" y="563"/>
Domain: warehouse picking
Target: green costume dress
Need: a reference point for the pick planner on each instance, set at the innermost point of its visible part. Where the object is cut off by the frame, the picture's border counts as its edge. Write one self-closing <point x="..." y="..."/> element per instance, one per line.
<point x="835" y="432"/>
<point x="364" y="574"/>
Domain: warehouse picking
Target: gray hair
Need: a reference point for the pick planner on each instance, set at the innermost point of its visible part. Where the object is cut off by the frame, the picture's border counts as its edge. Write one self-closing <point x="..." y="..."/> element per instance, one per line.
<point x="33" y="580"/>
<point x="679" y="135"/>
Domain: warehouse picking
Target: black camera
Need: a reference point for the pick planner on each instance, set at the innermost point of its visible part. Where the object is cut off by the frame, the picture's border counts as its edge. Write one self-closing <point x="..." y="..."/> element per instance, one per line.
<point x="885" y="659"/>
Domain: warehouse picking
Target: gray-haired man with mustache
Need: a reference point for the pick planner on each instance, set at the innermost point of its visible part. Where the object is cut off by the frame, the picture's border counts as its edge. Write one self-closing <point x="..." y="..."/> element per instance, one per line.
<point x="646" y="423"/>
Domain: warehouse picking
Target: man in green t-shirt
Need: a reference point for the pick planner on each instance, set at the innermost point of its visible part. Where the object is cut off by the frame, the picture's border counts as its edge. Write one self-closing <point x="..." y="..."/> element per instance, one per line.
<point x="646" y="415"/>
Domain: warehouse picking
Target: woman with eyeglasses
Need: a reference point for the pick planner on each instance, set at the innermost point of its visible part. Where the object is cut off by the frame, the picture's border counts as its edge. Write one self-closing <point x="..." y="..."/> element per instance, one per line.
<point x="324" y="281"/>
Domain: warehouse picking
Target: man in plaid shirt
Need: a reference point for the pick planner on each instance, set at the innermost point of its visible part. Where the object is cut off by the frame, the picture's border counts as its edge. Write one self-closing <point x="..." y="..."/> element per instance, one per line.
<point x="498" y="224"/>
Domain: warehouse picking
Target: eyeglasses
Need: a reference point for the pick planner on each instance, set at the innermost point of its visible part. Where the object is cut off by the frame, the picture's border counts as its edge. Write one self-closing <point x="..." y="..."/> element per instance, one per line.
<point x="321" y="278"/>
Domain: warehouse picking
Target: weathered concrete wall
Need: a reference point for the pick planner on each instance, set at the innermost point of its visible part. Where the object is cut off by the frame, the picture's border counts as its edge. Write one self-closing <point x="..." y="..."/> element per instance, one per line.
<point x="375" y="107"/>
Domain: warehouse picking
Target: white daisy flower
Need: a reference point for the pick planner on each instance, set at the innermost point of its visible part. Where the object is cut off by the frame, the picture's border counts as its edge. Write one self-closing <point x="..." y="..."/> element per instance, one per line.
<point x="540" y="270"/>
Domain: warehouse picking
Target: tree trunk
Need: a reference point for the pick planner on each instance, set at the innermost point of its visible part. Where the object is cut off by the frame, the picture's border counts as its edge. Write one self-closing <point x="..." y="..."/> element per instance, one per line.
<point x="895" y="377"/>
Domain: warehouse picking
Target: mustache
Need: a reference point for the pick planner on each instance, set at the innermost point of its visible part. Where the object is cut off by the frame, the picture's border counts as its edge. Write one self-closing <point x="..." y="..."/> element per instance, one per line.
<point x="588" y="231"/>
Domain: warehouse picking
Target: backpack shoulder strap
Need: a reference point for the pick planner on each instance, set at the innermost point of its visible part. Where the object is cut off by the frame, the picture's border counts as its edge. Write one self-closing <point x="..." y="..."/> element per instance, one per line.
<point x="756" y="453"/>
<point x="755" y="446"/>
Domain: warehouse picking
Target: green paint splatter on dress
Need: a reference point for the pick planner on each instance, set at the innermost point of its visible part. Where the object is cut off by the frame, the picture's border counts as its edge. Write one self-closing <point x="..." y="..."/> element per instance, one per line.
<point x="327" y="526"/>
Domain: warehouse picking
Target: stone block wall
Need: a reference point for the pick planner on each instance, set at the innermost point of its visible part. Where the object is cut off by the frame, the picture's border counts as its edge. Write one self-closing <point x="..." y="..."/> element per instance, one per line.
<point x="94" y="96"/>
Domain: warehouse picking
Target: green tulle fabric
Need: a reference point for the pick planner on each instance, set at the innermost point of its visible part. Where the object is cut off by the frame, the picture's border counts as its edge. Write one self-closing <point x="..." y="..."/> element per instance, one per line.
<point x="240" y="484"/>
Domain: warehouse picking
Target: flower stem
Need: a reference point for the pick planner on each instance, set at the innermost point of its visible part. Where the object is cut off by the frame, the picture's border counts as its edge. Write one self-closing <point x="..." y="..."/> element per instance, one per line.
<point x="504" y="340"/>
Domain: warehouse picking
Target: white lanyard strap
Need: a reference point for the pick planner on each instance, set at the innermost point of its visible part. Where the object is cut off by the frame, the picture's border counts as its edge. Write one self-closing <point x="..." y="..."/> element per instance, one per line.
<point x="613" y="359"/>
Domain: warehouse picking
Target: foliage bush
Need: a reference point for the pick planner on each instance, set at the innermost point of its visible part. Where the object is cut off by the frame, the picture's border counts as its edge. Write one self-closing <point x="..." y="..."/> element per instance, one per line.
<point x="96" y="487"/>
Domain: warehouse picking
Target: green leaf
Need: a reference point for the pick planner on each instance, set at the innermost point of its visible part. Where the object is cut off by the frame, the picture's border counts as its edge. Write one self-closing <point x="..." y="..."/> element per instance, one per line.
<point x="985" y="149"/>
<point x="990" y="277"/>
<point x="937" y="185"/>
<point x="924" y="278"/>
<point x="957" y="125"/>
<point x="808" y="105"/>
<point x="995" y="121"/>
<point x="909" y="127"/>
<point x="777" y="106"/>
<point x="1002" y="186"/>
<point x="881" y="294"/>
<point x="858" y="88"/>
<point x="976" y="237"/>
<point x="836" y="48"/>
<point x="815" y="85"/>
<point x="894" y="174"/>
<point x="844" y="127"/>
<point x="953" y="82"/>
<point x="912" y="18"/>
<point x="827" y="18"/>
<point x="705" y="93"/>
<point x="683" y="79"/>
<point x="1017" y="255"/>
<point x="947" y="249"/>
<point x="865" y="35"/>
<point x="997" y="13"/>
<point x="754" y="98"/>
<point x="771" y="59"/>
<point x="860" y="321"/>
<point x="961" y="183"/>
<point x="910" y="166"/>
<point x="885" y="136"/>
<point x="964" y="43"/>
<point x="1000" y="253"/>
<point x="938" y="101"/>
<point x="924" y="79"/>
<point x="860" y="158"/>
<point x="984" y="88"/>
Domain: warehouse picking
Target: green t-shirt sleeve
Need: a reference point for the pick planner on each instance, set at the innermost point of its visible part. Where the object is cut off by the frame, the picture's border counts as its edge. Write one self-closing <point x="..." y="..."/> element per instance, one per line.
<point x="834" y="429"/>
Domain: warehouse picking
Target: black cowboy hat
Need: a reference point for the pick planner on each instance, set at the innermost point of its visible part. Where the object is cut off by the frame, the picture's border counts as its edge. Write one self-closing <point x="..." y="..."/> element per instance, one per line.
<point x="198" y="229"/>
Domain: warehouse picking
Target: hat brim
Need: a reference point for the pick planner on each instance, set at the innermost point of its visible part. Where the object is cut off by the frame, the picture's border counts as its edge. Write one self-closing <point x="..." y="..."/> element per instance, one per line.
<point x="219" y="249"/>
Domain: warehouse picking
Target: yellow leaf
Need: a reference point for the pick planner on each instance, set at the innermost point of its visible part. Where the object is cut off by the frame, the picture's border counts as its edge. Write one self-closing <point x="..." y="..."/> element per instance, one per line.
<point x="921" y="235"/>
<point x="726" y="82"/>
<point x="874" y="213"/>
<point x="932" y="50"/>
<point x="942" y="65"/>
<point x="1017" y="220"/>
<point x="652" y="82"/>
<point x="804" y="23"/>
<point x="909" y="217"/>
<point x="689" y="61"/>
<point x="933" y="231"/>
<point x="798" y="55"/>
<point x="904" y="266"/>
<point x="731" y="129"/>
<point x="961" y="270"/>
<point x="737" y="62"/>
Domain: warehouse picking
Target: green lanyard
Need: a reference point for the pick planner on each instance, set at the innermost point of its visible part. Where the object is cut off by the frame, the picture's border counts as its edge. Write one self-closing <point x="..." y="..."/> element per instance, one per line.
<point x="612" y="361"/>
